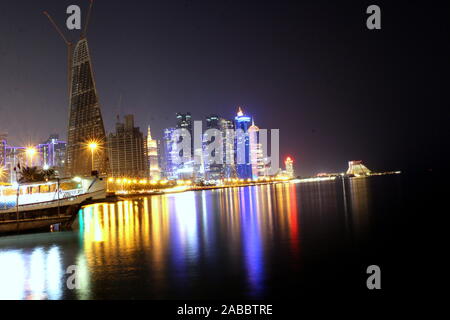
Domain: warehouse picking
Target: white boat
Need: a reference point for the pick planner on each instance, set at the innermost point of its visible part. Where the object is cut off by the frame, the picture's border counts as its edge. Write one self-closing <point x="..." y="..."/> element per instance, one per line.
<point x="46" y="203"/>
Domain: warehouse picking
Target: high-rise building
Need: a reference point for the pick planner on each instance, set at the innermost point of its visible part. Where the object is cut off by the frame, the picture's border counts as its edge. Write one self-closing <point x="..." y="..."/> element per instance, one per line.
<point x="184" y="121"/>
<point x="85" y="118"/>
<point x="228" y="136"/>
<point x="243" y="165"/>
<point x="3" y="144"/>
<point x="14" y="157"/>
<point x="170" y="169"/>
<point x="213" y="170"/>
<point x="256" y="152"/>
<point x="225" y="168"/>
<point x="153" y="156"/>
<point x="128" y="151"/>
<point x="290" y="167"/>
<point x="3" y="170"/>
<point x="52" y="154"/>
<point x="186" y="170"/>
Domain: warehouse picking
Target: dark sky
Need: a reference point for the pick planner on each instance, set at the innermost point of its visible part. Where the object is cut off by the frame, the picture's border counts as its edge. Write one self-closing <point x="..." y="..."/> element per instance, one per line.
<point x="336" y="90"/>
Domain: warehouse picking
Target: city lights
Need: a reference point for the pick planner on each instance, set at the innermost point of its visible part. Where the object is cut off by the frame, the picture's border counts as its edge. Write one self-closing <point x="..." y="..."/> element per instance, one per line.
<point x="93" y="146"/>
<point x="30" y="152"/>
<point x="2" y="172"/>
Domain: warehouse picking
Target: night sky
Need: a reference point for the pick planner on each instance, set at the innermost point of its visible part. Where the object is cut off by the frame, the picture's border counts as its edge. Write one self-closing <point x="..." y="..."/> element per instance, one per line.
<point x="336" y="90"/>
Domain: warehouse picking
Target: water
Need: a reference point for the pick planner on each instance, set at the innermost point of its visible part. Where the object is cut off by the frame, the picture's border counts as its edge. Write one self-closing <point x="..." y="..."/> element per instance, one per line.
<point x="259" y="242"/>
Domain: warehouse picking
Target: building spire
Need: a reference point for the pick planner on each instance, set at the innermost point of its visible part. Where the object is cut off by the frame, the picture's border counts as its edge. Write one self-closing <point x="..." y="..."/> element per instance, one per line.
<point x="149" y="133"/>
<point x="240" y="112"/>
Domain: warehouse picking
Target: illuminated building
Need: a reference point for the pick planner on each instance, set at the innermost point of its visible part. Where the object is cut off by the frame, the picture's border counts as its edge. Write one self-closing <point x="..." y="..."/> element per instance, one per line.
<point x="358" y="169"/>
<point x="184" y="121"/>
<point x="256" y="153"/>
<point x="228" y="136"/>
<point x="215" y="171"/>
<point x="52" y="154"/>
<point x="3" y="170"/>
<point x="290" y="167"/>
<point x="128" y="150"/>
<point x="199" y="169"/>
<point x="14" y="156"/>
<point x="242" y="145"/>
<point x="153" y="157"/>
<point x="85" y="118"/>
<point x="186" y="170"/>
<point x="169" y="149"/>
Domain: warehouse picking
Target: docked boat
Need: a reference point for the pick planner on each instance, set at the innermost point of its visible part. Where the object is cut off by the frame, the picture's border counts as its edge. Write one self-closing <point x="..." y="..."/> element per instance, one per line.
<point x="35" y="206"/>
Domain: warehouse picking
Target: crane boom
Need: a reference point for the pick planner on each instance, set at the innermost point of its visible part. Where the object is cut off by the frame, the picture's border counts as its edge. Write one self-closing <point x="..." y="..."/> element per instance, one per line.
<point x="88" y="17"/>
<point x="57" y="28"/>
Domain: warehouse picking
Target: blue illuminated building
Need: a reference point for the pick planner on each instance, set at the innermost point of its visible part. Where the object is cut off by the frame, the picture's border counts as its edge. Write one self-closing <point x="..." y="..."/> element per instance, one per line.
<point x="170" y="169"/>
<point x="243" y="165"/>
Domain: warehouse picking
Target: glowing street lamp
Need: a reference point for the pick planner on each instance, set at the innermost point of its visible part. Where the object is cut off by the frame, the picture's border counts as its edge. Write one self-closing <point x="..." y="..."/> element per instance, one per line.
<point x="31" y="152"/>
<point x="93" y="146"/>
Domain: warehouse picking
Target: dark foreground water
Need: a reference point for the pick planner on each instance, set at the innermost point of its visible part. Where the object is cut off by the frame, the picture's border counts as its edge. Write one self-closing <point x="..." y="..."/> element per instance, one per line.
<point x="276" y="241"/>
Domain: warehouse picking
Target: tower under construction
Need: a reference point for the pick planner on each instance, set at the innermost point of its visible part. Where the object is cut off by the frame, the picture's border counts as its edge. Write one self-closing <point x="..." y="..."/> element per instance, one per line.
<point x="85" y="118"/>
<point x="86" y="128"/>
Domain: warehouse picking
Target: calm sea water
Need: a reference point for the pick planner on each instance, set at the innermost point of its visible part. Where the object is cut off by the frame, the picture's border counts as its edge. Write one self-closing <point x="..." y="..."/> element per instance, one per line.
<point x="259" y="242"/>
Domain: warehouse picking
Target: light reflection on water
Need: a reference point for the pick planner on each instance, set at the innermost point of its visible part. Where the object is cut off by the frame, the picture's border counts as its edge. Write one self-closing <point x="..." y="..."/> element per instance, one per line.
<point x="222" y="243"/>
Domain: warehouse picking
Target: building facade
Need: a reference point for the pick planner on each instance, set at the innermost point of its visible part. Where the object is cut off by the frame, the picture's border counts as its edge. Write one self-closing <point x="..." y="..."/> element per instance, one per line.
<point x="256" y="153"/>
<point x="52" y="154"/>
<point x="4" y="176"/>
<point x="213" y="170"/>
<point x="290" y="167"/>
<point x="242" y="145"/>
<point x="85" y="118"/>
<point x="226" y="168"/>
<point x="128" y="151"/>
<point x="170" y="169"/>
<point x="153" y="156"/>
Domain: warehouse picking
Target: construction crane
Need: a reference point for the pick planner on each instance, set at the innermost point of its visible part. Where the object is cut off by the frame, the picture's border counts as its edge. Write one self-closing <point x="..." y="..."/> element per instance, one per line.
<point x="70" y="44"/>
<point x="88" y="17"/>
<point x="69" y="49"/>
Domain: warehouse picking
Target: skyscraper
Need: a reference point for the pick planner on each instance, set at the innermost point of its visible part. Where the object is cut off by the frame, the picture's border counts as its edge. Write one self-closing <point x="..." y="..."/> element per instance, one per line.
<point x="3" y="170"/>
<point x="3" y="143"/>
<point x="153" y="156"/>
<point x="186" y="170"/>
<point x="184" y="121"/>
<point x="53" y="153"/>
<point x="128" y="151"/>
<point x="256" y="152"/>
<point x="170" y="169"/>
<point x="225" y="169"/>
<point x="228" y="136"/>
<point x="290" y="167"/>
<point x="85" y="118"/>
<point x="243" y="165"/>
<point x="213" y="171"/>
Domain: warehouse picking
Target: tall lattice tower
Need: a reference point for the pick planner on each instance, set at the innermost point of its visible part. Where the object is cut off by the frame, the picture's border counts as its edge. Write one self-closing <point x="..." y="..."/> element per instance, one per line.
<point x="86" y="128"/>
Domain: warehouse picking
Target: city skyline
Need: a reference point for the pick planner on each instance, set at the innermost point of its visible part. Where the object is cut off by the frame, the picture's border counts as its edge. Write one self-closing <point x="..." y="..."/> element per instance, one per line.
<point x="299" y="95"/>
<point x="227" y="158"/>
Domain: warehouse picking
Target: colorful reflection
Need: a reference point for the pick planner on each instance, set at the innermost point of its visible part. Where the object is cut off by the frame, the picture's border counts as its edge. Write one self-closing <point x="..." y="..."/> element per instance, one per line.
<point x="31" y="275"/>
<point x="359" y="205"/>
<point x="162" y="247"/>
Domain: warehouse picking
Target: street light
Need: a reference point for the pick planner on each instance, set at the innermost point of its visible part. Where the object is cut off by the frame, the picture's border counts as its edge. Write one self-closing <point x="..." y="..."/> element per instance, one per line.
<point x="93" y="146"/>
<point x="31" y="152"/>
